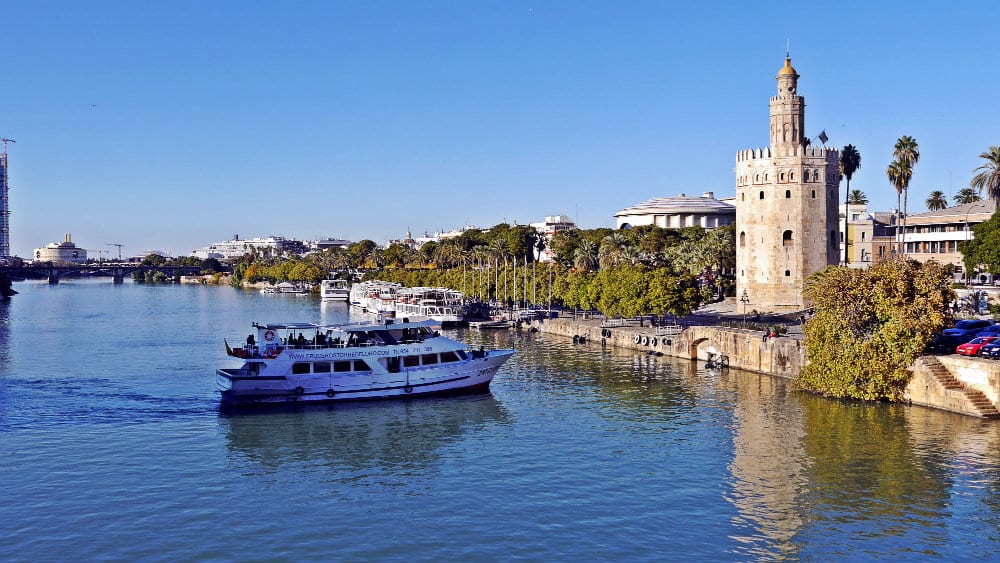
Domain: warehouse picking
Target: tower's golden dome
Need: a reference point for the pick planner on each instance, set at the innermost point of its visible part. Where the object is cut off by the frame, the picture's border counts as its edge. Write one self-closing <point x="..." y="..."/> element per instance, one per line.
<point x="787" y="69"/>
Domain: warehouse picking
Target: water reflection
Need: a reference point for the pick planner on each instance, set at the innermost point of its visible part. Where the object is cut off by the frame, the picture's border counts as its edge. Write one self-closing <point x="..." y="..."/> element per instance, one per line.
<point x="348" y="438"/>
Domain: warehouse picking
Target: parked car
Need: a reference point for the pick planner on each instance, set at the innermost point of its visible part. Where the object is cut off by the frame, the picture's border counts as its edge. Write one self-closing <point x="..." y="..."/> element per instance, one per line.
<point x="966" y="330"/>
<point x="991" y="350"/>
<point x="971" y="348"/>
<point x="992" y="330"/>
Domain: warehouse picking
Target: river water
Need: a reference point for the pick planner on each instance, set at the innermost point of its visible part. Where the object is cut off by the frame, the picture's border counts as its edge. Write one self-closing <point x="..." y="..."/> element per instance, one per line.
<point x="113" y="447"/>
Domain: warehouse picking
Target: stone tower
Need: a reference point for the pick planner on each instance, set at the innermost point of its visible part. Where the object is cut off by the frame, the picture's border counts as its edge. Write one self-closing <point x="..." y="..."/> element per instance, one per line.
<point x="786" y="207"/>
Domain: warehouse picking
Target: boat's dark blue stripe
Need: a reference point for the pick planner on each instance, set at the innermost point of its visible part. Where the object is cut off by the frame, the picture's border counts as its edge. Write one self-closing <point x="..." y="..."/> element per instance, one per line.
<point x="413" y="385"/>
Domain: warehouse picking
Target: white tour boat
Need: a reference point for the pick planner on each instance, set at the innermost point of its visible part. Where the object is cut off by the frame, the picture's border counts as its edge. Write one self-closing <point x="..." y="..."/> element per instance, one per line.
<point x="438" y="303"/>
<point x="302" y="362"/>
<point x="334" y="290"/>
<point x="375" y="297"/>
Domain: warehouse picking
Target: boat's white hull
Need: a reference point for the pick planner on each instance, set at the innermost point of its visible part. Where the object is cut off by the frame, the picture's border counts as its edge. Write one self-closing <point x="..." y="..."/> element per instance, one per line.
<point x="472" y="375"/>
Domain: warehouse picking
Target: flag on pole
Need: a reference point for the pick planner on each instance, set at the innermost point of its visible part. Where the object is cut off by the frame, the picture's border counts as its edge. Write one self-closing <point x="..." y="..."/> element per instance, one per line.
<point x="822" y="137"/>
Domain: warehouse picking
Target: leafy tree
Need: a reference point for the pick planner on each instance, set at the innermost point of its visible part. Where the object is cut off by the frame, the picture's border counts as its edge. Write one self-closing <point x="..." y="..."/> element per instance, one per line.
<point x="870" y="325"/>
<point x="983" y="250"/>
<point x="857" y="197"/>
<point x="988" y="175"/>
<point x="936" y="201"/>
<point x="850" y="161"/>
<point x="358" y="252"/>
<point x="966" y="195"/>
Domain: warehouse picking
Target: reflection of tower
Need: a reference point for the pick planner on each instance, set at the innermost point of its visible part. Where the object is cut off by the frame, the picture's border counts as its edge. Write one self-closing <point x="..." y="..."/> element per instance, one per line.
<point x="786" y="206"/>
<point x="4" y="203"/>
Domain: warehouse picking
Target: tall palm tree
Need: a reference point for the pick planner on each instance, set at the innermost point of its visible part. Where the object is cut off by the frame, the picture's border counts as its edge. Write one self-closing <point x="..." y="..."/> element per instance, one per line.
<point x="966" y="195"/>
<point x="988" y="175"/>
<point x="936" y="201"/>
<point x="850" y="161"/>
<point x="899" y="177"/>
<point x="907" y="153"/>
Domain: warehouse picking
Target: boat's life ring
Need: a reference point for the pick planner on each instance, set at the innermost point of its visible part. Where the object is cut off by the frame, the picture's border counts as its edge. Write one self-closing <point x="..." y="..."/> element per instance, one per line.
<point x="652" y="341"/>
<point x="637" y="339"/>
<point x="269" y="335"/>
<point x="299" y="390"/>
<point x="408" y="389"/>
<point x="645" y="340"/>
<point x="330" y="393"/>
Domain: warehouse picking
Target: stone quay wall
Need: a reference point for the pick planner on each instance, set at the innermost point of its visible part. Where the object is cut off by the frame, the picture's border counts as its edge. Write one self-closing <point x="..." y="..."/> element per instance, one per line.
<point x="951" y="383"/>
<point x="747" y="350"/>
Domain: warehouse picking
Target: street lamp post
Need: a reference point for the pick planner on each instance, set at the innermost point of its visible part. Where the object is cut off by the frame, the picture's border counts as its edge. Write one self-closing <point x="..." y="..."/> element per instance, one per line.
<point x="745" y="300"/>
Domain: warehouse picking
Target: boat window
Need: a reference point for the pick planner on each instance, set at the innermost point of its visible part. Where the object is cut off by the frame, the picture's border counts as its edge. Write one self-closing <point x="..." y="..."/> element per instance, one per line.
<point x="430" y="359"/>
<point x="449" y="357"/>
<point x="321" y="367"/>
<point x="361" y="365"/>
<point x="254" y="368"/>
<point x="462" y="354"/>
<point x="300" y="367"/>
<point x="411" y="361"/>
<point x="342" y="366"/>
<point x="392" y="364"/>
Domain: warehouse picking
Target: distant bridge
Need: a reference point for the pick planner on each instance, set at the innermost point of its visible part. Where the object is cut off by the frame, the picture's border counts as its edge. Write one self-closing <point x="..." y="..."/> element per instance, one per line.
<point x="115" y="270"/>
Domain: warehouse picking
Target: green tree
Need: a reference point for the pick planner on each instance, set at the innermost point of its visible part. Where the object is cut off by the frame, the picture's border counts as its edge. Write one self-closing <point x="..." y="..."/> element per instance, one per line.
<point x="936" y="201"/>
<point x="966" y="195"/>
<point x="870" y="325"/>
<point x="987" y="176"/>
<point x="983" y="250"/>
<point x="850" y="161"/>
<point x="907" y="153"/>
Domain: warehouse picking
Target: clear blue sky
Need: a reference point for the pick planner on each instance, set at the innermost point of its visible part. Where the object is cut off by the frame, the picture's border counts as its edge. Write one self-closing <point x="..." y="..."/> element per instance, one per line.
<point x="171" y="125"/>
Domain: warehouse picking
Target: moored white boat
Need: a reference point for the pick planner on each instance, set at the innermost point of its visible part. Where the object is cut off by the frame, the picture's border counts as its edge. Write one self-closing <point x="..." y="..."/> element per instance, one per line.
<point x="438" y="303"/>
<point x="334" y="290"/>
<point x="375" y="297"/>
<point x="302" y="362"/>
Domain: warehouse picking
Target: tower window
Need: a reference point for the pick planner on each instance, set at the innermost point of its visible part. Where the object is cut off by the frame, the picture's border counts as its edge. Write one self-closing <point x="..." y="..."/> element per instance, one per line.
<point x="782" y="176"/>
<point x="791" y="176"/>
<point x="788" y="273"/>
<point x="788" y="194"/>
<point x="743" y="197"/>
<point x="743" y="239"/>
<point x="814" y="194"/>
<point x="762" y="195"/>
<point x="786" y="238"/>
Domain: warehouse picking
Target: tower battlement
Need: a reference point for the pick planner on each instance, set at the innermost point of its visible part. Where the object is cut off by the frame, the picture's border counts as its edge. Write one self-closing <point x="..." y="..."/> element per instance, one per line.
<point x="794" y="150"/>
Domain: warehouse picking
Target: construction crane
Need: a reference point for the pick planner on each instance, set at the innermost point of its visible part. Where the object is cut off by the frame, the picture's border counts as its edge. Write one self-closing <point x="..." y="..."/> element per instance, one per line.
<point x="119" y="245"/>
<point x="5" y="140"/>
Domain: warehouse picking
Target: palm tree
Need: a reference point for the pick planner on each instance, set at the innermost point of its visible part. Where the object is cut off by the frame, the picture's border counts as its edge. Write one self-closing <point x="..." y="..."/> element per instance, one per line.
<point x="988" y="175"/>
<point x="907" y="153"/>
<point x="585" y="256"/>
<point x="857" y="197"/>
<point x="899" y="177"/>
<point x="936" y="201"/>
<point x="966" y="195"/>
<point x="850" y="161"/>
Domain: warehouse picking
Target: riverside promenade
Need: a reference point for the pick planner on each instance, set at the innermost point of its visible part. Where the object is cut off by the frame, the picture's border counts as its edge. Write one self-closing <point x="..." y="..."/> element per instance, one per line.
<point x="968" y="386"/>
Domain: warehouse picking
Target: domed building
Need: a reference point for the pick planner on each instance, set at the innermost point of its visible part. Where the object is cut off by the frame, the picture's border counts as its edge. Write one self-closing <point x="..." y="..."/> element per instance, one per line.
<point x="65" y="251"/>
<point x="677" y="212"/>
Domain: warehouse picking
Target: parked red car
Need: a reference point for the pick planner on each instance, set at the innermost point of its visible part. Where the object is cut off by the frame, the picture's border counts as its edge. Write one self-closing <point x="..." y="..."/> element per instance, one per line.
<point x="972" y="347"/>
